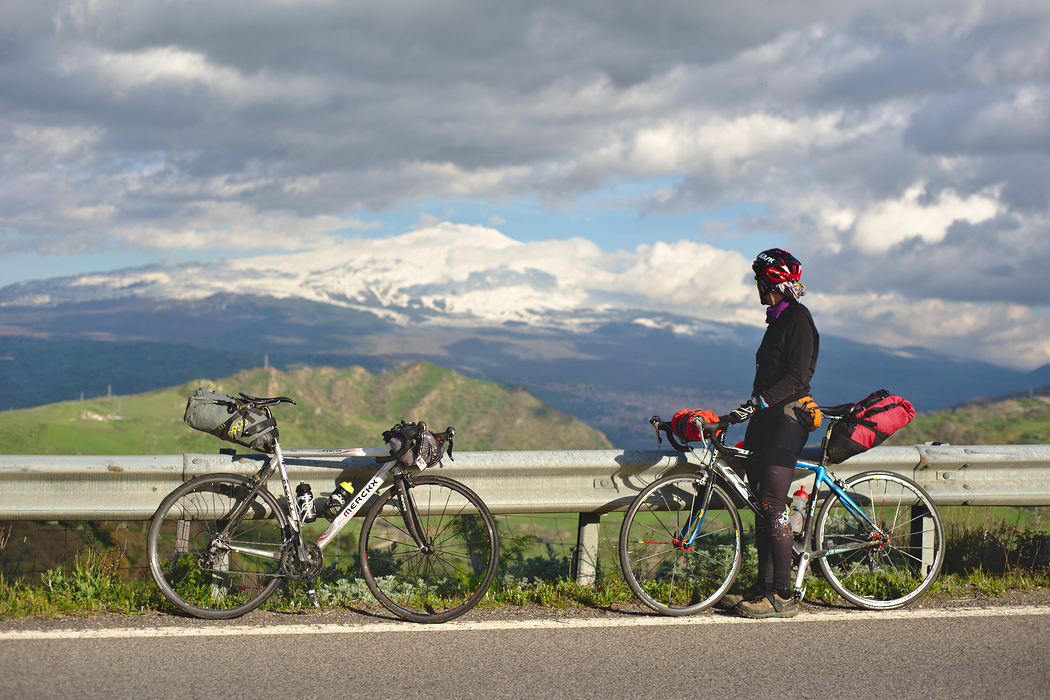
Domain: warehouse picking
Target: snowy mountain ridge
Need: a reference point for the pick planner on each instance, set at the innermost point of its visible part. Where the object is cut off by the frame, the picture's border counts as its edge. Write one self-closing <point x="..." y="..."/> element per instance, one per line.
<point x="447" y="274"/>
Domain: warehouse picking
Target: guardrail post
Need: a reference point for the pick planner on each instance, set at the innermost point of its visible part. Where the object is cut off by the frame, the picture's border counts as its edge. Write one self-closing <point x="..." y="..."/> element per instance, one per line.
<point x="182" y="536"/>
<point x="922" y="535"/>
<point x="585" y="558"/>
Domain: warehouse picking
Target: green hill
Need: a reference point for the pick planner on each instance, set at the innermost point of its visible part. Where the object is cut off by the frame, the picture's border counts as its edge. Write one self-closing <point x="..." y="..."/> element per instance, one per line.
<point x="1008" y="422"/>
<point x="335" y="408"/>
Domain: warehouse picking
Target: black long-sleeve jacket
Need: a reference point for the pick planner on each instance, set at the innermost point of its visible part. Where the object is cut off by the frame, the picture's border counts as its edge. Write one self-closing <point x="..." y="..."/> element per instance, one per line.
<point x="787" y="357"/>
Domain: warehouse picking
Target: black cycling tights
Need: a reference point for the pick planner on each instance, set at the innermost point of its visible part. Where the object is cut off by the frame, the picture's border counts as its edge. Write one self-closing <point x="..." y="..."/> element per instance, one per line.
<point x="776" y="440"/>
<point x="772" y="529"/>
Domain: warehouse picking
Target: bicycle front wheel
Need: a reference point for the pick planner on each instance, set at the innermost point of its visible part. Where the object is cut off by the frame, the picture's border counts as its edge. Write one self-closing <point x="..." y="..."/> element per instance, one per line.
<point x="206" y="566"/>
<point x="892" y="557"/>
<point x="677" y="558"/>
<point x="449" y="569"/>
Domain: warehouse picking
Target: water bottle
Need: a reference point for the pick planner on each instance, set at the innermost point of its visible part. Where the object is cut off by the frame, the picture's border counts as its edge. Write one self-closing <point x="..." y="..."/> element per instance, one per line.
<point x="338" y="500"/>
<point x="797" y="516"/>
<point x="304" y="496"/>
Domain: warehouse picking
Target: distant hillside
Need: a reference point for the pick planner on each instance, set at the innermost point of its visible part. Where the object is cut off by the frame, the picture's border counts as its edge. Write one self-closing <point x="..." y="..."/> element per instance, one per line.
<point x="1016" y="421"/>
<point x="611" y="369"/>
<point x="335" y="408"/>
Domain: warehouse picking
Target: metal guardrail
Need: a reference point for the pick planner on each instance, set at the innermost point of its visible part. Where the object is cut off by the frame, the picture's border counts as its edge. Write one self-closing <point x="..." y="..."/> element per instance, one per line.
<point x="588" y="482"/>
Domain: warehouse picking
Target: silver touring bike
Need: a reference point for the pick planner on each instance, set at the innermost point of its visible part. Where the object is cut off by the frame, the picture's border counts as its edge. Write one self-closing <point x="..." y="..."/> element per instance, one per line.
<point x="220" y="545"/>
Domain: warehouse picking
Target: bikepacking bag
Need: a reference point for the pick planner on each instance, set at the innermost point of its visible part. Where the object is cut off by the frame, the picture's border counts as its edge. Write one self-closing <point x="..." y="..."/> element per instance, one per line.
<point x="231" y="419"/>
<point x="876" y="418"/>
<point x="682" y="424"/>
<point x="414" y="445"/>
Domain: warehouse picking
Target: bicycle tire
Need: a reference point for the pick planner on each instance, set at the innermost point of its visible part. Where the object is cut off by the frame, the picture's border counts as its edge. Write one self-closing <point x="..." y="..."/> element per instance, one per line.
<point x="663" y="574"/>
<point x="449" y="579"/>
<point x="199" y="581"/>
<point x="905" y="563"/>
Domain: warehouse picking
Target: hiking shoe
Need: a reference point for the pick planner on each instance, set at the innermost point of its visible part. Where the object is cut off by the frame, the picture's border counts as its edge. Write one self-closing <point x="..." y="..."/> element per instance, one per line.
<point x="770" y="605"/>
<point x="733" y="600"/>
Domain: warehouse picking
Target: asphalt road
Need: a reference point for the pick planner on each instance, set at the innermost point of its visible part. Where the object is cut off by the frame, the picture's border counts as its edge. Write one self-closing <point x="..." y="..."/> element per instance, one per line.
<point x="952" y="649"/>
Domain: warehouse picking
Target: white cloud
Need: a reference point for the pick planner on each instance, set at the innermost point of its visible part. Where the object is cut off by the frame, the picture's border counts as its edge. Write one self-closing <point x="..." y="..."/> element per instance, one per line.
<point x="34" y="145"/>
<point x="1010" y="335"/>
<point x="690" y="278"/>
<point x="724" y="145"/>
<point x="171" y="68"/>
<point x="889" y="222"/>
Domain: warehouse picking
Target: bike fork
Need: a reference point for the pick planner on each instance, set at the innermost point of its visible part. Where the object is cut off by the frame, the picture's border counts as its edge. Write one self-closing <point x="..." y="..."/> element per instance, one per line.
<point x="697" y="512"/>
<point x="410" y="514"/>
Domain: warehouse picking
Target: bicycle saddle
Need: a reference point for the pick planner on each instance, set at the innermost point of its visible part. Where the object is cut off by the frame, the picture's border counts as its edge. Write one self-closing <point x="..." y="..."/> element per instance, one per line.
<point x="840" y="411"/>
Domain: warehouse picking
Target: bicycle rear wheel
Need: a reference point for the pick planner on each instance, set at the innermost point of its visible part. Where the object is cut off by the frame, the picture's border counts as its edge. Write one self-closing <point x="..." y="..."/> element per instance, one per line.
<point x="192" y="560"/>
<point x="889" y="567"/>
<point x="450" y="572"/>
<point x="665" y="571"/>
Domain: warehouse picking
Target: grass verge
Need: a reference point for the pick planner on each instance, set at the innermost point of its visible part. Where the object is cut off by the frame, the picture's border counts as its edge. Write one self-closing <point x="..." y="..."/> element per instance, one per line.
<point x="983" y="558"/>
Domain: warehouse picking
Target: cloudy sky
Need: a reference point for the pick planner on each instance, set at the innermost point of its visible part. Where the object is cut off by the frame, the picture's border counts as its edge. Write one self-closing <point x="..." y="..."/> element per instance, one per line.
<point x="900" y="149"/>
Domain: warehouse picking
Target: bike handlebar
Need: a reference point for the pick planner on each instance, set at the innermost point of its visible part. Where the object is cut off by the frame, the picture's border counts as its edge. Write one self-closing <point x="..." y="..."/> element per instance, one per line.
<point x="718" y="432"/>
<point x="262" y="403"/>
<point x="715" y="432"/>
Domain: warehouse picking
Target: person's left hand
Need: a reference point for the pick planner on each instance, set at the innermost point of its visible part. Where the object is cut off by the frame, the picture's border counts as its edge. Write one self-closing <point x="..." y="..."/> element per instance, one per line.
<point x="741" y="414"/>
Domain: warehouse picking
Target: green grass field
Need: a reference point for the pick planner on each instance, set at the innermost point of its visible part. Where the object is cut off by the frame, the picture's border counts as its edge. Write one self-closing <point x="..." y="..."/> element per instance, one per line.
<point x="335" y="408"/>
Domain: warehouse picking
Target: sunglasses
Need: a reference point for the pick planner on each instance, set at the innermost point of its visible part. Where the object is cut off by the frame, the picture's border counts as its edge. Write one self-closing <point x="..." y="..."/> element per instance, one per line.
<point x="763" y="285"/>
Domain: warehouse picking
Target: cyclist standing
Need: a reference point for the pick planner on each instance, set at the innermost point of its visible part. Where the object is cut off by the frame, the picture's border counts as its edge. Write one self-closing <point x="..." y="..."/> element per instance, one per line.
<point x="785" y="362"/>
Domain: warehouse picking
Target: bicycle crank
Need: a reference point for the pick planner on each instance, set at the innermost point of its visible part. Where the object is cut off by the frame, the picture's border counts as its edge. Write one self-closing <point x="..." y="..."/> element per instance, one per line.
<point x="295" y="568"/>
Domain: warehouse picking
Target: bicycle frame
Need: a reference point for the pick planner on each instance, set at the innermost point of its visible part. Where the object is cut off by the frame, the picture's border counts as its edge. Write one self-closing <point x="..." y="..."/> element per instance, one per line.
<point x="715" y="465"/>
<point x="276" y="464"/>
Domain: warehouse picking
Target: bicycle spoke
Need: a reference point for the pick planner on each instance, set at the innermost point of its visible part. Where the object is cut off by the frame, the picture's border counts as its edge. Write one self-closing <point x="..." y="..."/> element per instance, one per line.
<point x="454" y="567"/>
<point x="202" y="564"/>
<point x="891" y="565"/>
<point x="662" y="571"/>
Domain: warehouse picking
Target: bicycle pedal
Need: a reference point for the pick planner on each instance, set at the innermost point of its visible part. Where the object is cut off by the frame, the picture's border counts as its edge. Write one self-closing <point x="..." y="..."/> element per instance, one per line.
<point x="311" y="593"/>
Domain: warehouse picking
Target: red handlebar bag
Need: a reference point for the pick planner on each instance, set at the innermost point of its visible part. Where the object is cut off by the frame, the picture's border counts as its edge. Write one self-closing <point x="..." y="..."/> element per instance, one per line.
<point x="683" y="426"/>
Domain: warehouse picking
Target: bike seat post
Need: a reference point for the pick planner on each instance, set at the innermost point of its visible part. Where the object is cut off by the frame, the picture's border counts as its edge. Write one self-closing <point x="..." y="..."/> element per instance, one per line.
<point x="832" y="420"/>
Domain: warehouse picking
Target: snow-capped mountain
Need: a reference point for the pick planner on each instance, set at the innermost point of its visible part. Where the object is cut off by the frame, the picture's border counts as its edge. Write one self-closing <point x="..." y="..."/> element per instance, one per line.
<point x="443" y="274"/>
<point x="608" y="338"/>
